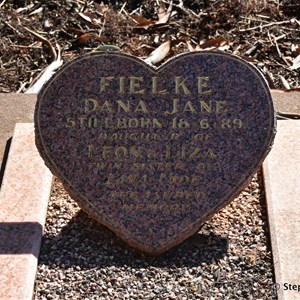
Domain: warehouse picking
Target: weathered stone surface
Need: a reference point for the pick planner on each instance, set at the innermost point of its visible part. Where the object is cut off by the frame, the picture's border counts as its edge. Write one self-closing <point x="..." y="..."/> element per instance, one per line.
<point x="153" y="153"/>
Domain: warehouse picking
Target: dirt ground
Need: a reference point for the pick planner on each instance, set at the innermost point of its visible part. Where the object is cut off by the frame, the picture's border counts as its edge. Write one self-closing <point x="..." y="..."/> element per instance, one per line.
<point x="33" y="34"/>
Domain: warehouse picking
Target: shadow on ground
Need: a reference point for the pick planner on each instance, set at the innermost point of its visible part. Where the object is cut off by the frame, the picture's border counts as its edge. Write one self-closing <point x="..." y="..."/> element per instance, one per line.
<point x="85" y="243"/>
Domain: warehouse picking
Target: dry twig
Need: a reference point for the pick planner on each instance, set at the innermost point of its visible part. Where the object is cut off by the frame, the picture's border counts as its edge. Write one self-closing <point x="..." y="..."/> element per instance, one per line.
<point x="265" y="25"/>
<point x="2" y="3"/>
<point x="45" y="41"/>
<point x="279" y="52"/>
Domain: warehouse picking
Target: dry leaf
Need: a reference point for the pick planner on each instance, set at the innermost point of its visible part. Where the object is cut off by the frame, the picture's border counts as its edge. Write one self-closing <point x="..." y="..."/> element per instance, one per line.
<point x="285" y="83"/>
<point x="141" y="21"/>
<point x="223" y="48"/>
<point x="40" y="9"/>
<point x="269" y="77"/>
<point x="101" y="38"/>
<point x="159" y="53"/>
<point x="158" y="28"/>
<point x="198" y="48"/>
<point x="83" y="39"/>
<point x="161" y="8"/>
<point x="87" y="37"/>
<point x="90" y="17"/>
<point x="296" y="63"/>
<point x="85" y="17"/>
<point x="215" y="42"/>
<point x="108" y="48"/>
<point x="162" y="13"/>
<point x="101" y="8"/>
<point x="190" y="47"/>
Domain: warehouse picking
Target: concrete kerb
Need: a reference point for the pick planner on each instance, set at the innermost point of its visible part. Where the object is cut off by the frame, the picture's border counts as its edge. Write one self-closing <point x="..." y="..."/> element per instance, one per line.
<point x="282" y="188"/>
<point x="23" y="200"/>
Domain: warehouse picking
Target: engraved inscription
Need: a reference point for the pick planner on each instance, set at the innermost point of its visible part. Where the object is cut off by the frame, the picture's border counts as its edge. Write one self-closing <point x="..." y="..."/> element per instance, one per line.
<point x="191" y="153"/>
<point x="191" y="107"/>
<point x="92" y="105"/>
<point x="200" y="106"/>
<point x="137" y="85"/>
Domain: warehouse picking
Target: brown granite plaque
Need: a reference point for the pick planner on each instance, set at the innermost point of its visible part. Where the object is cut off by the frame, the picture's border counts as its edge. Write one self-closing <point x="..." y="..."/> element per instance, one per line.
<point x="154" y="153"/>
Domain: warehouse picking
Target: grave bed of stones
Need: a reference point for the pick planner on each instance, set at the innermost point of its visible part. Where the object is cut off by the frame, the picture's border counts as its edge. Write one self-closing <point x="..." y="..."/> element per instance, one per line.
<point x="229" y="258"/>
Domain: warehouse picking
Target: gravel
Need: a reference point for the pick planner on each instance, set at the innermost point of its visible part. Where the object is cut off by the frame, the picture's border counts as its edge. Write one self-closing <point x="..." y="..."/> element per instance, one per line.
<point x="229" y="258"/>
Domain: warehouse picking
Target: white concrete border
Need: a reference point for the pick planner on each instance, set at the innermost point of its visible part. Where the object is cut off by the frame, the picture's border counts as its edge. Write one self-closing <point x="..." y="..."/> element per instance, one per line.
<point x="23" y="201"/>
<point x="281" y="172"/>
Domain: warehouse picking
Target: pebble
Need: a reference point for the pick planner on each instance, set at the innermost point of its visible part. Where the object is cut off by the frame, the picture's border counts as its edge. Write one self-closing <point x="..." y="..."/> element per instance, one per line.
<point x="227" y="259"/>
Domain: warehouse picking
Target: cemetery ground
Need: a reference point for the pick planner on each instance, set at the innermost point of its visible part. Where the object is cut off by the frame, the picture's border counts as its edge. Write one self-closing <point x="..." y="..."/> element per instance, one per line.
<point x="230" y="258"/>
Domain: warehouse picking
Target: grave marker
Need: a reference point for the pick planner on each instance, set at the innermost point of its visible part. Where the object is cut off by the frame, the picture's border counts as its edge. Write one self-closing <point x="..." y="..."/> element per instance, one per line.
<point x="154" y="153"/>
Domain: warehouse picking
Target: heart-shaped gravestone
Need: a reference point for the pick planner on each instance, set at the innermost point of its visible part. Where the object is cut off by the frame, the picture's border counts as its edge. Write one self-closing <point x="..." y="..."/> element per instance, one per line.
<point x="154" y="153"/>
